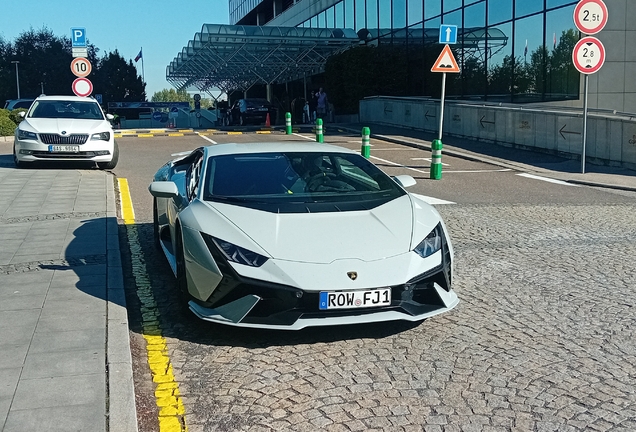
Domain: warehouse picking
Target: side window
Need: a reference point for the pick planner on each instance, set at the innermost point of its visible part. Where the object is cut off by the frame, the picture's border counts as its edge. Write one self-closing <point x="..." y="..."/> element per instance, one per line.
<point x="194" y="177"/>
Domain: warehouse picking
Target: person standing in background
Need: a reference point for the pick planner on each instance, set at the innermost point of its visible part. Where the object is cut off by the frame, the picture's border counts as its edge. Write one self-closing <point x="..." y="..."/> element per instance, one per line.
<point x="322" y="104"/>
<point x="312" y="106"/>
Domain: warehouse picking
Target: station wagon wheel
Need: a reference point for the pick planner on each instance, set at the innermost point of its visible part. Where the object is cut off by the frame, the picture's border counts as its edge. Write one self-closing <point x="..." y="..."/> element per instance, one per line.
<point x="16" y="162"/>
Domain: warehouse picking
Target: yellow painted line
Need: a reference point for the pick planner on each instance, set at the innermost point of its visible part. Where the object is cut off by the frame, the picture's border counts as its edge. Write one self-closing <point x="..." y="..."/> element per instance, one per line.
<point x="167" y="396"/>
<point x="263" y="132"/>
<point x="117" y="136"/>
<point x="235" y="133"/>
<point x="185" y="130"/>
<point x="145" y="135"/>
<point x="204" y="133"/>
<point x="175" y="134"/>
<point x="127" y="211"/>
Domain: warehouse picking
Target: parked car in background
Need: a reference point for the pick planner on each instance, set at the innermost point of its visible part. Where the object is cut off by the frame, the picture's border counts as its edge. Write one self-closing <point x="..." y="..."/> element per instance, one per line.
<point x="12" y="104"/>
<point x="65" y="128"/>
<point x="251" y="111"/>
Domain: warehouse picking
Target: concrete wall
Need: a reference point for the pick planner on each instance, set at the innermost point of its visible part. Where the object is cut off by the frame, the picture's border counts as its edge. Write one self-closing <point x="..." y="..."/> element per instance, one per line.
<point x="611" y="139"/>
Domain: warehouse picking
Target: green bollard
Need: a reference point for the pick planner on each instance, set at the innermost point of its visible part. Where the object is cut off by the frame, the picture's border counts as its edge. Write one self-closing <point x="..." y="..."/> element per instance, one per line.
<point x="288" y="125"/>
<point x="365" y="150"/>
<point x="319" y="137"/>
<point x="436" y="159"/>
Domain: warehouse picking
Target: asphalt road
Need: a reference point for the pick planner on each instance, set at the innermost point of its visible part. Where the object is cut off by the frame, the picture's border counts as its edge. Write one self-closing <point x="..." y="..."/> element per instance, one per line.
<point x="543" y="338"/>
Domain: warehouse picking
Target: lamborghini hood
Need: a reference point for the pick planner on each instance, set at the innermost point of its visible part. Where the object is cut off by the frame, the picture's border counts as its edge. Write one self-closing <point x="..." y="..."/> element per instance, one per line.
<point x="367" y="235"/>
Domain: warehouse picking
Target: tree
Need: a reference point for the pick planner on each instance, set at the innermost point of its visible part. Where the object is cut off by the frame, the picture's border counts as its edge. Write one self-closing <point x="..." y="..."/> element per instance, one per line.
<point x="117" y="80"/>
<point x="44" y="64"/>
<point x="172" y="95"/>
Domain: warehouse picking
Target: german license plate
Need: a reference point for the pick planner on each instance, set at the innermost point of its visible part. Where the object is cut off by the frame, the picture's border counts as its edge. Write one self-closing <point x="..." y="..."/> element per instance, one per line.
<point x="354" y="299"/>
<point x="63" y="149"/>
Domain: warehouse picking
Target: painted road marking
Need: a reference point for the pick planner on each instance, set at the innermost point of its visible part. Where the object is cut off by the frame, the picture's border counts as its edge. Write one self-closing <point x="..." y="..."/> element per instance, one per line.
<point x="400" y="165"/>
<point x="428" y="160"/>
<point x="431" y="200"/>
<point x="167" y="396"/>
<point x="208" y="139"/>
<point x="549" y="180"/>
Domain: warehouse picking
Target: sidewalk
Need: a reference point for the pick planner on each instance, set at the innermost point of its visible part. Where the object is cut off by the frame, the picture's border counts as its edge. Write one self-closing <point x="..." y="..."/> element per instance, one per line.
<point x="541" y="164"/>
<point x="65" y="362"/>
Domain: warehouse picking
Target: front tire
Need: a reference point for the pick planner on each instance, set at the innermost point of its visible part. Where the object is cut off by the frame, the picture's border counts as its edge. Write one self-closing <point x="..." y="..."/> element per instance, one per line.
<point x="183" y="297"/>
<point x="16" y="162"/>
<point x="155" y="225"/>
<point x="113" y="162"/>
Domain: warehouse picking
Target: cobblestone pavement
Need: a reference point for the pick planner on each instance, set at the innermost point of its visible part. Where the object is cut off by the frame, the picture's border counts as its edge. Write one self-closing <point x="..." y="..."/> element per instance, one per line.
<point x="542" y="340"/>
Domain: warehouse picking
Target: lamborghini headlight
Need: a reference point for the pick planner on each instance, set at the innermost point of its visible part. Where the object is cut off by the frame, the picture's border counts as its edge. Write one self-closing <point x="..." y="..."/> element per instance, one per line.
<point x="431" y="244"/>
<point x="236" y="253"/>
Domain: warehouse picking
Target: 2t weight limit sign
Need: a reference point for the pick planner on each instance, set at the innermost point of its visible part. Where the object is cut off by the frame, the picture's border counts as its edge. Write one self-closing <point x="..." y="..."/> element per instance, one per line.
<point x="588" y="55"/>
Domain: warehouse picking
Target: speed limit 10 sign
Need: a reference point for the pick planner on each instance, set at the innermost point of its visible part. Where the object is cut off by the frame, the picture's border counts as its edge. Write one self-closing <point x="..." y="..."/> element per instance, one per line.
<point x="590" y="16"/>
<point x="588" y="55"/>
<point x="81" y="67"/>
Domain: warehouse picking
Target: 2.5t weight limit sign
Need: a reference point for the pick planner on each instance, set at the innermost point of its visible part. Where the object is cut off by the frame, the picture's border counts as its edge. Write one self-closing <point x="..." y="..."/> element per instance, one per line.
<point x="81" y="67"/>
<point x="588" y="55"/>
<point x="590" y="16"/>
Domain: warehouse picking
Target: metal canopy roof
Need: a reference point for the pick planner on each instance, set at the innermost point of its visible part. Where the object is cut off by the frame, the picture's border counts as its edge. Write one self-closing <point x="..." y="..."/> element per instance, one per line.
<point x="232" y="57"/>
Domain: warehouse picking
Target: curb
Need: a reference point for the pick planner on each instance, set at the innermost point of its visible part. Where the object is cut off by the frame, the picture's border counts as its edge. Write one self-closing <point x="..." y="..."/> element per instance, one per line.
<point x="121" y="407"/>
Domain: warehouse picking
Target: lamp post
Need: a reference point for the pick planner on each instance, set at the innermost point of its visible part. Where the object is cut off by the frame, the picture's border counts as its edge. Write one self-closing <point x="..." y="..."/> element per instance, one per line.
<point x="17" y="76"/>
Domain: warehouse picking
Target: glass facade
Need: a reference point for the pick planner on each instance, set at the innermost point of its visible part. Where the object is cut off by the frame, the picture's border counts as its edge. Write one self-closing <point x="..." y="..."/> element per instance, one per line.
<point x="508" y="50"/>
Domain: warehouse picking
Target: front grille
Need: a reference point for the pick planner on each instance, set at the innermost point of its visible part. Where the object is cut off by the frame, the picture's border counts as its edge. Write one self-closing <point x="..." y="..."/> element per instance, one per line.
<point x="59" y="139"/>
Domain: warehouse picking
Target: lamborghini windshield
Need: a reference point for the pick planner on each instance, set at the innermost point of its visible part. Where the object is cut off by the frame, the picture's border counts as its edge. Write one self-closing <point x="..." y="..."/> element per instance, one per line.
<point x="281" y="181"/>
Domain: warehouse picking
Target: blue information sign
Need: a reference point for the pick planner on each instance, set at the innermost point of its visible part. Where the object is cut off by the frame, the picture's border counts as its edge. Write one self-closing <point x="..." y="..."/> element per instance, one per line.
<point x="78" y="37"/>
<point x="448" y="34"/>
<point x="156" y="115"/>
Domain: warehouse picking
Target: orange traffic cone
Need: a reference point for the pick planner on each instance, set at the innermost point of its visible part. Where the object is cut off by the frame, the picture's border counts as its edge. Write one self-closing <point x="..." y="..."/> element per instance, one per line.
<point x="267" y="121"/>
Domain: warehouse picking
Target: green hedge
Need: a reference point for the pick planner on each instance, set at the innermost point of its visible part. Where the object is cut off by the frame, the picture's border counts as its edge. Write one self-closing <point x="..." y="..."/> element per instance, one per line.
<point x="7" y="126"/>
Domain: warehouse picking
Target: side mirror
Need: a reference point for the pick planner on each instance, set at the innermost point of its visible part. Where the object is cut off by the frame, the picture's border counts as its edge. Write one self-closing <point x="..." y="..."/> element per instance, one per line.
<point x="22" y="114"/>
<point x="110" y="117"/>
<point x="405" y="180"/>
<point x="163" y="189"/>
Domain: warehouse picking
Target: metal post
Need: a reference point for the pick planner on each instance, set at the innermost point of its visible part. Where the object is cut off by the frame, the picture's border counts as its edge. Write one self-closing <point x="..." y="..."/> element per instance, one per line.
<point x="365" y="150"/>
<point x="441" y="108"/>
<point x="17" y="76"/>
<point x="288" y="124"/>
<point x="319" y="137"/>
<point x="585" y="90"/>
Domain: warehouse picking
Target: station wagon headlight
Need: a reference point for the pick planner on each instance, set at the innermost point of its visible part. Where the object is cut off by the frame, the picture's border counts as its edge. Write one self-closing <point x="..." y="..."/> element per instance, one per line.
<point x="26" y="135"/>
<point x="431" y="244"/>
<point x="236" y="253"/>
<point x="102" y="136"/>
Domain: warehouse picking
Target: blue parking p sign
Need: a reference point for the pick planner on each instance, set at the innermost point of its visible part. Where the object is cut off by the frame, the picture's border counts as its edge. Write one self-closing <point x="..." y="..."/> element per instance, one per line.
<point x="447" y="34"/>
<point x="78" y="37"/>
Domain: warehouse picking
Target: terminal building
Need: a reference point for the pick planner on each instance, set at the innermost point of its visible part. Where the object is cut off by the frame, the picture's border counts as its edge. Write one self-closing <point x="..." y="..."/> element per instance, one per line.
<point x="511" y="52"/>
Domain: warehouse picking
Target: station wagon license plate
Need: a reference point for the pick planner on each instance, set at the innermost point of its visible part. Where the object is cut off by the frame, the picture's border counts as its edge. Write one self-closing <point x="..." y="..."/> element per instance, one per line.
<point x="354" y="299"/>
<point x="63" y="149"/>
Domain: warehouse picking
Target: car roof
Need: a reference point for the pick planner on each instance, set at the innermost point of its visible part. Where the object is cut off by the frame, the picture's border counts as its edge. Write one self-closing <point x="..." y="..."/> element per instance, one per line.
<point x="273" y="147"/>
<point x="66" y="98"/>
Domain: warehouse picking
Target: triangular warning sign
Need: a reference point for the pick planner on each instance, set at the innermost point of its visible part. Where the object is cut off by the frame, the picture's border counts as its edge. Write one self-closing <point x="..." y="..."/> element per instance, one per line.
<point x="446" y="62"/>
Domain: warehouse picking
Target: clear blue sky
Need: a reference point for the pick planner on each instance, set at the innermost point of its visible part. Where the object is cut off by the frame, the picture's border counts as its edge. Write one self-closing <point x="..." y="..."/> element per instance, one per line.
<point x="161" y="27"/>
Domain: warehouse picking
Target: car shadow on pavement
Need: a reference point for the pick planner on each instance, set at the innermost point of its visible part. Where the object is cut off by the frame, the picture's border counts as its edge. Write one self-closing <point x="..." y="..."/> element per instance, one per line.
<point x="85" y="261"/>
<point x="185" y="326"/>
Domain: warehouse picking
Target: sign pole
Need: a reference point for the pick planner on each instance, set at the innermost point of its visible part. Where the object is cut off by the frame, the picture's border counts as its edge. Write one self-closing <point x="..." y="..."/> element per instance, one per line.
<point x="441" y="108"/>
<point x="585" y="91"/>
